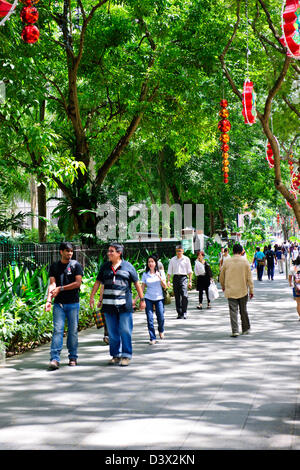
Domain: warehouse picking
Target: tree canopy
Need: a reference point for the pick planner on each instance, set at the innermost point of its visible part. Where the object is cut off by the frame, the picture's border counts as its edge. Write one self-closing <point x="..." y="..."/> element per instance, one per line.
<point x="123" y="96"/>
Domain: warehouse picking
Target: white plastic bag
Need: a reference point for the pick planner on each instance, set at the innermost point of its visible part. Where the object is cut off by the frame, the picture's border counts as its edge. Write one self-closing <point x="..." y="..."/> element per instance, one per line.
<point x="213" y="291"/>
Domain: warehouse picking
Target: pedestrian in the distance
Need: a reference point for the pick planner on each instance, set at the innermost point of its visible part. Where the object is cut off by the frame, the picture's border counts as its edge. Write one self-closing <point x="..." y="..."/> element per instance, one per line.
<point x="259" y="260"/>
<point x="65" y="280"/>
<point x="154" y="281"/>
<point x="279" y="259"/>
<point x="204" y="275"/>
<point x="237" y="283"/>
<point x="270" y="257"/>
<point x="181" y="269"/>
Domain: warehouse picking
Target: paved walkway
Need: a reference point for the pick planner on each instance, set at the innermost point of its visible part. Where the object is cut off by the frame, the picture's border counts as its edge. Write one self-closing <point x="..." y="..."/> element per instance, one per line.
<point x="197" y="389"/>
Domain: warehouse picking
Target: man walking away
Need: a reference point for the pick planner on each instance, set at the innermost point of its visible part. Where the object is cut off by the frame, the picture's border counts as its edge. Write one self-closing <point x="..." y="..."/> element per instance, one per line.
<point x="270" y="257"/>
<point x="236" y="281"/>
<point x="181" y="269"/>
<point x="65" y="280"/>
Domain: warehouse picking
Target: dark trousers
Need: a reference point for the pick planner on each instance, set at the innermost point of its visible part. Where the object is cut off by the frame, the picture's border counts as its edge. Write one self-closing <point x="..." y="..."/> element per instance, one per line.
<point x="180" y="286"/>
<point x="205" y="289"/>
<point x="260" y="271"/>
<point x="203" y="285"/>
<point x="234" y="306"/>
<point x="271" y="269"/>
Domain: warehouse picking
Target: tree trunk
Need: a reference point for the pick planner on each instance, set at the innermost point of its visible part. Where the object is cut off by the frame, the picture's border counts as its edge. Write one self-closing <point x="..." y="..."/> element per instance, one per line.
<point x="42" y="208"/>
<point x="164" y="188"/>
<point x="33" y="203"/>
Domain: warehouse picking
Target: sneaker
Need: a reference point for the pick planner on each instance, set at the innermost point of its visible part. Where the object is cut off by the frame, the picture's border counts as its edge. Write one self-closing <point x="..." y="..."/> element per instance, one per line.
<point x="124" y="361"/>
<point x="72" y="362"/>
<point x="114" y="360"/>
<point x="234" y="335"/>
<point x="246" y="332"/>
<point x="152" y="341"/>
<point x="54" y="365"/>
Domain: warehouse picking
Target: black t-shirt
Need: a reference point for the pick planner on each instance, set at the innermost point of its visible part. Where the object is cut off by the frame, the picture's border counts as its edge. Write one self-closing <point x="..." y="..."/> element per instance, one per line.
<point x="270" y="257"/>
<point x="65" y="274"/>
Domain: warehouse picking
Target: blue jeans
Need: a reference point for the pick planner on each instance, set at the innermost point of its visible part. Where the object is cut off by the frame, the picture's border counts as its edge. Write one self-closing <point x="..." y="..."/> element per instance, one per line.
<point x="120" y="326"/>
<point x="61" y="312"/>
<point x="159" y="310"/>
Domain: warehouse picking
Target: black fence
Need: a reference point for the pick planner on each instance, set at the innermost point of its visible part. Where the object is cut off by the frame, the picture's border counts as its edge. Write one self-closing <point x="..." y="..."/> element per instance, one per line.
<point x="34" y="254"/>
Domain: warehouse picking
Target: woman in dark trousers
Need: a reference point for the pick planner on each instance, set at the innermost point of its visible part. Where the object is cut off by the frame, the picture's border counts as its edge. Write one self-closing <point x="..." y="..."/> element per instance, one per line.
<point x="204" y="275"/>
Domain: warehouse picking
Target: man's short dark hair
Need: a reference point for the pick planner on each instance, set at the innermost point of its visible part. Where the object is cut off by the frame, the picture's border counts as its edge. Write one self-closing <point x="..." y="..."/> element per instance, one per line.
<point x="237" y="249"/>
<point x="118" y="247"/>
<point x="65" y="246"/>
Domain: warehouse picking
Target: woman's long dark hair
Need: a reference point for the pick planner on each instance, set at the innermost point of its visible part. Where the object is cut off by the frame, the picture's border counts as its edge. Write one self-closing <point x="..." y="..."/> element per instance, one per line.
<point x="296" y="262"/>
<point x="156" y="265"/>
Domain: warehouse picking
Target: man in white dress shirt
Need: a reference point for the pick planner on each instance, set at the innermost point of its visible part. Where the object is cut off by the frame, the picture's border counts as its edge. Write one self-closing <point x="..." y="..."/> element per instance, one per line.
<point x="181" y="269"/>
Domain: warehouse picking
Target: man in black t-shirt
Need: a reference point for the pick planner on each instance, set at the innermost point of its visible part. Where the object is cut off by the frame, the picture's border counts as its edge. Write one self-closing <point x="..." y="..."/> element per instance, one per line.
<point x="65" y="280"/>
<point x="270" y="257"/>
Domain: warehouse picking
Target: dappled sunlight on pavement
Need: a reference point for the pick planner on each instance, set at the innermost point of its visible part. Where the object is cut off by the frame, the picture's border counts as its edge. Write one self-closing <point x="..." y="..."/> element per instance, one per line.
<point x="196" y="389"/>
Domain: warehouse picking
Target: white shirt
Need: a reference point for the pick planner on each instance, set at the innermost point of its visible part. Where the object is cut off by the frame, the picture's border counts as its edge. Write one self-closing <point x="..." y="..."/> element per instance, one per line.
<point x="199" y="268"/>
<point x="154" y="287"/>
<point x="180" y="266"/>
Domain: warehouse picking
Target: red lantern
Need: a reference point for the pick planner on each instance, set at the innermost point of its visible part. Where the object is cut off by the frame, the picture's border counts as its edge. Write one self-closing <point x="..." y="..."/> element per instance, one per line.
<point x="249" y="110"/>
<point x="224" y="138"/>
<point x="4" y="8"/>
<point x="224" y="126"/>
<point x="29" y="15"/>
<point x="223" y="103"/>
<point x="30" y="34"/>
<point x="290" y="23"/>
<point x="269" y="155"/>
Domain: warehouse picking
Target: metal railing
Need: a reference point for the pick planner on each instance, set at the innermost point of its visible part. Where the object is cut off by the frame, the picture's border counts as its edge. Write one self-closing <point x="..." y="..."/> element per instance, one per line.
<point x="35" y="254"/>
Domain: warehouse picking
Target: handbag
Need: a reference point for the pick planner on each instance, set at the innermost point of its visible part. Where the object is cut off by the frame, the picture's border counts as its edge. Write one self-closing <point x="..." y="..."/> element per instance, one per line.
<point x="213" y="291"/>
<point x="99" y="318"/>
<point x="167" y="296"/>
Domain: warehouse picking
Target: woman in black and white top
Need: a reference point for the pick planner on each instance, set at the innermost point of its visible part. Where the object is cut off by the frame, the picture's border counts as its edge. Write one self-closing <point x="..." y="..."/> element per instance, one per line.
<point x="204" y="275"/>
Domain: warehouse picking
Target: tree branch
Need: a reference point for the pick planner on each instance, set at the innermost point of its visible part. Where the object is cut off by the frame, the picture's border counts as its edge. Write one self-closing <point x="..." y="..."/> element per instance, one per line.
<point x="222" y="56"/>
<point x="291" y="106"/>
<point x="276" y="87"/>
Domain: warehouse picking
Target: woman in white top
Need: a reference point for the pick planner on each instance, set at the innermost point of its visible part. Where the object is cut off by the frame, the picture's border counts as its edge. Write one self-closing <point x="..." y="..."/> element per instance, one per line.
<point x="154" y="280"/>
<point x="204" y="275"/>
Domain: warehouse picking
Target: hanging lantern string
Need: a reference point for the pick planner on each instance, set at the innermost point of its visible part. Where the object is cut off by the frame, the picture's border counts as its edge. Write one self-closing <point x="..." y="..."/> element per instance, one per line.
<point x="247" y="41"/>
